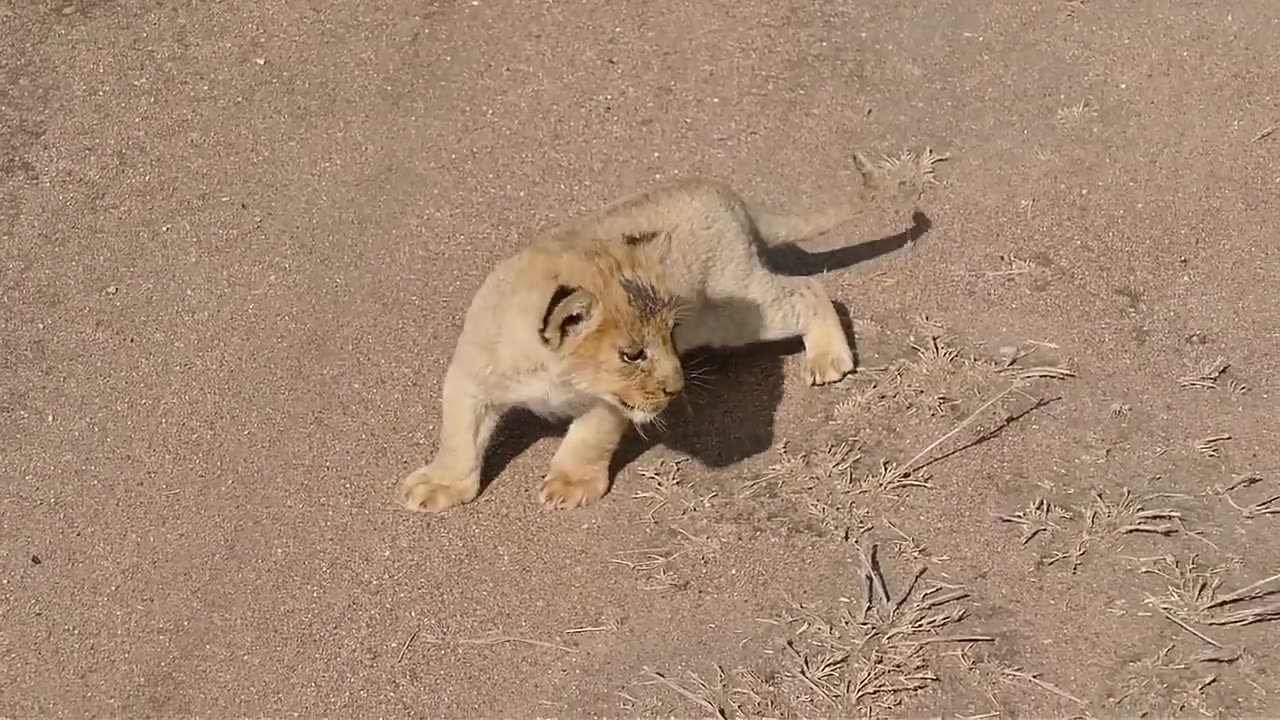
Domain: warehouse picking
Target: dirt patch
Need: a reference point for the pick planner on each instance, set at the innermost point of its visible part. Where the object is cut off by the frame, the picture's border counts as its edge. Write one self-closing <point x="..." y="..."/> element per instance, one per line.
<point x="238" y="241"/>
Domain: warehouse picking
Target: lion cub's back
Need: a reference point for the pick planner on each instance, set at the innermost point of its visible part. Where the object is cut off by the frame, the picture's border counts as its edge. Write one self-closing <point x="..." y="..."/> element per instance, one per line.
<point x="688" y="203"/>
<point x="694" y="228"/>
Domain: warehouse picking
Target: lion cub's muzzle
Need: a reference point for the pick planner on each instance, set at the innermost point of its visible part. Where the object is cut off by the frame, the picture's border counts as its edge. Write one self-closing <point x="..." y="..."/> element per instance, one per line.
<point x="647" y="407"/>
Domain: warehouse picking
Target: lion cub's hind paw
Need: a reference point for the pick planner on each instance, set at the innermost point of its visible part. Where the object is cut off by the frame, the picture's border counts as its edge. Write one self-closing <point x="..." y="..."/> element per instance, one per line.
<point x="827" y="366"/>
<point x="424" y="491"/>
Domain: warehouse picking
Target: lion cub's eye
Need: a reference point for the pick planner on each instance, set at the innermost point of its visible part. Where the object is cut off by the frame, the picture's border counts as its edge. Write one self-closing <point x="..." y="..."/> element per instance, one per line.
<point x="632" y="356"/>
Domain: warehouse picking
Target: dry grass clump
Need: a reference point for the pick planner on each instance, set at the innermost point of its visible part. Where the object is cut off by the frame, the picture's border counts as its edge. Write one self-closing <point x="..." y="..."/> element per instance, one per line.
<point x="673" y="506"/>
<point x="657" y="566"/>
<point x="1194" y="595"/>
<point x="1132" y="515"/>
<point x="1210" y="376"/>
<point x="940" y="381"/>
<point x="831" y="465"/>
<point x="1039" y="517"/>
<point x="871" y="656"/>
<point x="859" y="661"/>
<point x="1103" y="520"/>
<point x="1166" y="684"/>
<point x="905" y="177"/>
<point x="935" y="383"/>
<point x="826" y="483"/>
<point x="1075" y="114"/>
<point x="816" y="487"/>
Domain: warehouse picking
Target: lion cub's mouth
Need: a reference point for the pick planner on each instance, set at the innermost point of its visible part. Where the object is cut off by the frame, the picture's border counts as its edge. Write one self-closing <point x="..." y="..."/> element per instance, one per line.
<point x="637" y="414"/>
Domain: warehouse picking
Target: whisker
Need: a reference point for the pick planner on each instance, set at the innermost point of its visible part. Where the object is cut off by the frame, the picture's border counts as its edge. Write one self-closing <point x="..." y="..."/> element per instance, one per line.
<point x="691" y="394"/>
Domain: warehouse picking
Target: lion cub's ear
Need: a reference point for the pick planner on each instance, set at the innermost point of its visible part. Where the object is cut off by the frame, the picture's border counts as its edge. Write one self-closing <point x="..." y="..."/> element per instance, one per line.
<point x="569" y="310"/>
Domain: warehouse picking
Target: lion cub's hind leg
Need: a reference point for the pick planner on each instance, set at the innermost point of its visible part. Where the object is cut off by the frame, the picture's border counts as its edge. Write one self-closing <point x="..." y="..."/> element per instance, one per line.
<point x="580" y="468"/>
<point x="772" y="307"/>
<point x="792" y="306"/>
<point x="828" y="357"/>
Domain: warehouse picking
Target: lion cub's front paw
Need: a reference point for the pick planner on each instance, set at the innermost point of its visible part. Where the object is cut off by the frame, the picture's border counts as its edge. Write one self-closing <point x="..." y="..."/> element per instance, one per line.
<point x="828" y="365"/>
<point x="429" y="490"/>
<point x="563" y="490"/>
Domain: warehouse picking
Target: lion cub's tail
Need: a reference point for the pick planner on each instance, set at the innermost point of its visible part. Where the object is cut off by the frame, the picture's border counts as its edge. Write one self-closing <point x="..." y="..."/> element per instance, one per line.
<point x="777" y="228"/>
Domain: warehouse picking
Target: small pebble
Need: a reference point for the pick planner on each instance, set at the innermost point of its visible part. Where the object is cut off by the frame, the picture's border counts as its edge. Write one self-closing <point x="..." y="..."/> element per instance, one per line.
<point x="112" y="289"/>
<point x="1008" y="350"/>
<point x="1198" y="338"/>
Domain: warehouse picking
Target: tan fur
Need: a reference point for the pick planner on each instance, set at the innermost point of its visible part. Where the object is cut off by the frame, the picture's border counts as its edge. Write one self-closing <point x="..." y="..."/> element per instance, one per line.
<point x="588" y="321"/>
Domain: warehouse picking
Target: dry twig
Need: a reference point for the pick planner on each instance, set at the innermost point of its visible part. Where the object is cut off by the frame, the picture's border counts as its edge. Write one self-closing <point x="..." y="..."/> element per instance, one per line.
<point x="1034" y="678"/>
<point x="405" y="647"/>
<point x="1190" y="629"/>
<point x="500" y="639"/>
<point x="908" y="467"/>
<point x="702" y="702"/>
<point x="1212" y="446"/>
<point x="1270" y="506"/>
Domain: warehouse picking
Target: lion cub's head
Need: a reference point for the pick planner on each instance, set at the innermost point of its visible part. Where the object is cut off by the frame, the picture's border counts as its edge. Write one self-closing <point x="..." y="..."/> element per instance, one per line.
<point x="615" y="338"/>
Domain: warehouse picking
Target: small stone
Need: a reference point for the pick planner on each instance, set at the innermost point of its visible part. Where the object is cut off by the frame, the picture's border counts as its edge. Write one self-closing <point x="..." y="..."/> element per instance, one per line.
<point x="113" y="289"/>
<point x="35" y="560"/>
<point x="1008" y="350"/>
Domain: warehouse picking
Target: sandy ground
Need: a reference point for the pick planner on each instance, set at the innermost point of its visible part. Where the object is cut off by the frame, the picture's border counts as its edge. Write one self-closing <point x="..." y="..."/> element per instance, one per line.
<point x="238" y="238"/>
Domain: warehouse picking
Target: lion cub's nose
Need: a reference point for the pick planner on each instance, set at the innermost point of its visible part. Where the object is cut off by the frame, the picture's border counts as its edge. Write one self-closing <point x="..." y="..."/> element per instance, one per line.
<point x="673" y="387"/>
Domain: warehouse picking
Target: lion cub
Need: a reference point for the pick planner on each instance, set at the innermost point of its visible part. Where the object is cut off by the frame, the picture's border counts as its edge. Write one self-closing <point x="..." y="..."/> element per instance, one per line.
<point x="589" y="320"/>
